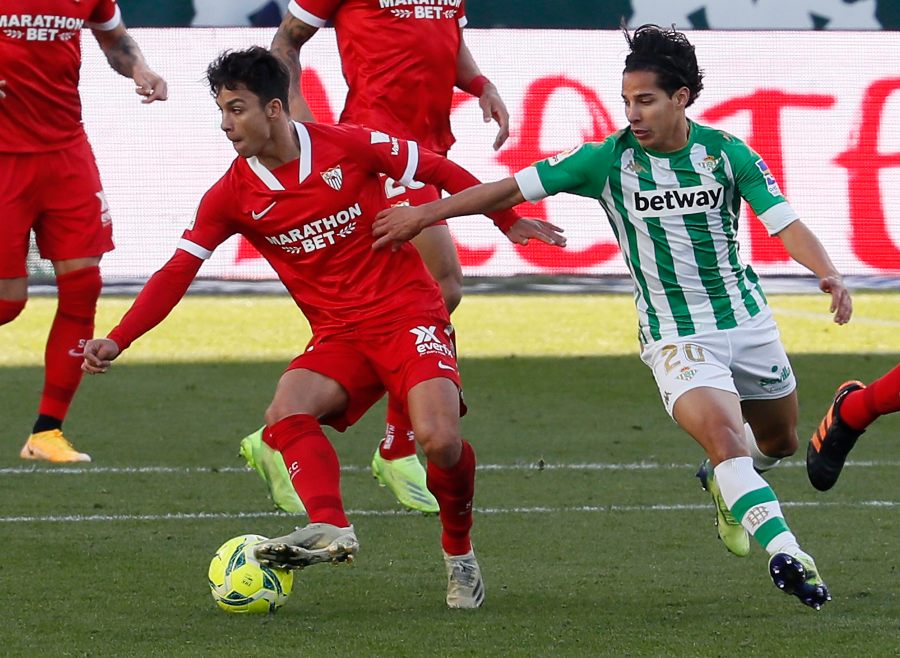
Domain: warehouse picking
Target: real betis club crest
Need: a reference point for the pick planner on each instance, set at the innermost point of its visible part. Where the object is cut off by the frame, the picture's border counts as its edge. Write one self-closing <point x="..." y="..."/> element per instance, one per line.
<point x="334" y="177"/>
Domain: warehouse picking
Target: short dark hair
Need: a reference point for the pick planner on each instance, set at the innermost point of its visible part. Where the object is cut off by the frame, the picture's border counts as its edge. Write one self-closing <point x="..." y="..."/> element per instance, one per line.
<point x="255" y="69"/>
<point x="667" y="53"/>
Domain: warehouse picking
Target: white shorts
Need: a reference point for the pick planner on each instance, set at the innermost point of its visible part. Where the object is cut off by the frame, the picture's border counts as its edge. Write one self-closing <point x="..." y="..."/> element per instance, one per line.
<point x="748" y="360"/>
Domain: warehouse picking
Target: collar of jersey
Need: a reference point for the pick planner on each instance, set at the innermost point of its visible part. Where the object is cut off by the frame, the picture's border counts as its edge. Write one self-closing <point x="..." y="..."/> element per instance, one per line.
<point x="268" y="178"/>
<point x="692" y="130"/>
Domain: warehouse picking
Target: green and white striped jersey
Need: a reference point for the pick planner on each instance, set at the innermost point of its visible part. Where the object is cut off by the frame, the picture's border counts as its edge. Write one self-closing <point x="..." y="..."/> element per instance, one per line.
<point x="675" y="216"/>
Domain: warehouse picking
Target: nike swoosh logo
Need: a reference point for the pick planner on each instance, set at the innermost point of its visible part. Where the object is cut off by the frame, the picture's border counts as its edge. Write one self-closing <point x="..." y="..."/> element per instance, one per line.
<point x="444" y="366"/>
<point x="260" y="215"/>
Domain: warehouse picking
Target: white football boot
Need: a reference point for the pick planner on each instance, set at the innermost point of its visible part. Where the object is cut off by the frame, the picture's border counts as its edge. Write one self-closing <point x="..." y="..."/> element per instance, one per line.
<point x="311" y="544"/>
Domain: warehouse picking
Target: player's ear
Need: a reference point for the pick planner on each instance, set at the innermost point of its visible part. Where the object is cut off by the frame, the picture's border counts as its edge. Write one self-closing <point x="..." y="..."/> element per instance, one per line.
<point x="273" y="108"/>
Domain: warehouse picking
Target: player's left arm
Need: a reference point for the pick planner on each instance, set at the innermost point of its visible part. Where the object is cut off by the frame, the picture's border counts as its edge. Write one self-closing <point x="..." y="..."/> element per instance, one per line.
<point x="470" y="79"/>
<point x="756" y="183"/>
<point x="125" y="57"/>
<point x="805" y="248"/>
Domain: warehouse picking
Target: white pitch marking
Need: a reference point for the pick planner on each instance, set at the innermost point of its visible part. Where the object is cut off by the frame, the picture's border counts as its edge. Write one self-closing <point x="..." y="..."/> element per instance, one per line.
<point x="205" y="516"/>
<point x="190" y="470"/>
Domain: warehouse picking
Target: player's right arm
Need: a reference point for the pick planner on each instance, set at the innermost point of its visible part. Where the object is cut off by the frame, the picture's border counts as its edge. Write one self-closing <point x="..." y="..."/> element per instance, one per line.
<point x="167" y="286"/>
<point x="297" y="27"/>
<point x="572" y="171"/>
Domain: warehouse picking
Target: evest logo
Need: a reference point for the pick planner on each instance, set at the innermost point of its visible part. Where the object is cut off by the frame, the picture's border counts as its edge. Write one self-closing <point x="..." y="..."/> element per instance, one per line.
<point x="681" y="201"/>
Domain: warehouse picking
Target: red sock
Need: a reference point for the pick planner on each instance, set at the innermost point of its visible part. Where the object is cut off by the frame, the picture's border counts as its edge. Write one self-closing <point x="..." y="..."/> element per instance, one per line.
<point x="860" y="408"/>
<point x="313" y="466"/>
<point x="78" y="292"/>
<point x="454" y="489"/>
<point x="10" y="309"/>
<point x="399" y="439"/>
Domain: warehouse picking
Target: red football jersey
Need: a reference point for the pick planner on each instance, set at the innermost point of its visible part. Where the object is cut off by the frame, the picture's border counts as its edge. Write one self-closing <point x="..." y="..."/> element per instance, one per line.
<point x="399" y="61"/>
<point x="312" y="221"/>
<point x="40" y="59"/>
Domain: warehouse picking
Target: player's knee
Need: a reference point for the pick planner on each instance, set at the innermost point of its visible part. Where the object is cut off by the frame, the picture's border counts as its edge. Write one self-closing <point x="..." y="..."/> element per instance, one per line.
<point x="79" y="291"/>
<point x="723" y="442"/>
<point x="10" y="309"/>
<point x="780" y="443"/>
<point x="441" y="442"/>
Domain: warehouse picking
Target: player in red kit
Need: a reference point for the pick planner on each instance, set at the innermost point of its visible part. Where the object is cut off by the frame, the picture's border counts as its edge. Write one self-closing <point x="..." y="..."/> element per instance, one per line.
<point x="305" y="195"/>
<point x="854" y="408"/>
<point x="49" y="183"/>
<point x="401" y="65"/>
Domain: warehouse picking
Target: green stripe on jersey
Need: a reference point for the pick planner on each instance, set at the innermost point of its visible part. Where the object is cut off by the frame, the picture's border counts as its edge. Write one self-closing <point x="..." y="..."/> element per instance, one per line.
<point x="705" y="250"/>
<point x="665" y="263"/>
<point x="632" y="255"/>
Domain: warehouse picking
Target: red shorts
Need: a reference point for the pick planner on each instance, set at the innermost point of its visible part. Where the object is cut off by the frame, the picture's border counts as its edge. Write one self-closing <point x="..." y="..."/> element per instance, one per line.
<point x="420" y="194"/>
<point x="369" y="362"/>
<point x="59" y="195"/>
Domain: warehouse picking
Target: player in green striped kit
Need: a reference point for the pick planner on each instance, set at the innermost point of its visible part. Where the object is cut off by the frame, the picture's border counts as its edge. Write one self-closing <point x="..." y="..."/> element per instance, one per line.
<point x="672" y="191"/>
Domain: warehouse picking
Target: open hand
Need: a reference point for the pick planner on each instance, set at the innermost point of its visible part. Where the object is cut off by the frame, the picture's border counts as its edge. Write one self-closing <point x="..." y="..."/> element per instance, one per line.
<point x="526" y="229"/>
<point x="841" y="304"/>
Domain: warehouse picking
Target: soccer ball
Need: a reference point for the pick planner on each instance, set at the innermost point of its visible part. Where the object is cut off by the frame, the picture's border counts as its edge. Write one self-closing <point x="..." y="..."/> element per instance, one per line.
<point x="239" y="583"/>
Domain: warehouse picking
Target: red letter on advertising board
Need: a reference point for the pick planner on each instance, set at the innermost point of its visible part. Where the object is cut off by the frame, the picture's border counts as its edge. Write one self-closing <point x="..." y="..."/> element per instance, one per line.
<point x="765" y="108"/>
<point x="527" y="150"/>
<point x="869" y="237"/>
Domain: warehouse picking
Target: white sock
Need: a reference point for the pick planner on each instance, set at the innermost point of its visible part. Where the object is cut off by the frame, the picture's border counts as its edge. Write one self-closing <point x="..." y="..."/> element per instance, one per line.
<point x="754" y="504"/>
<point x="761" y="461"/>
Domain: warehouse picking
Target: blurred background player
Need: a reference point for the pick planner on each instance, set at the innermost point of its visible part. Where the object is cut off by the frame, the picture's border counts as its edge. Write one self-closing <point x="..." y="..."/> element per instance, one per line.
<point x="401" y="65"/>
<point x="49" y="183"/>
<point x="305" y="196"/>
<point x="855" y="407"/>
<point x="671" y="189"/>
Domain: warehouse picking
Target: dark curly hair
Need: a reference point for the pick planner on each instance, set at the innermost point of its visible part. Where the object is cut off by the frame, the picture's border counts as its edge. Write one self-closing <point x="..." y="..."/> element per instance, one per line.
<point x="254" y="69"/>
<point x="667" y="53"/>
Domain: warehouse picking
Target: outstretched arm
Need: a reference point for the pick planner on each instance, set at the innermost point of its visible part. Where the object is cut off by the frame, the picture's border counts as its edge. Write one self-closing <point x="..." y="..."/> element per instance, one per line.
<point x="470" y="79"/>
<point x="286" y="45"/>
<point x="126" y="58"/>
<point x="157" y="299"/>
<point x="401" y="223"/>
<point x="805" y="248"/>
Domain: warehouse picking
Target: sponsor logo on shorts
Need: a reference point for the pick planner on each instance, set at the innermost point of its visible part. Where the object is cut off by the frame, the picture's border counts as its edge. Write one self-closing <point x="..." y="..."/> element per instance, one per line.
<point x="427" y="341"/>
<point x="778" y="381"/>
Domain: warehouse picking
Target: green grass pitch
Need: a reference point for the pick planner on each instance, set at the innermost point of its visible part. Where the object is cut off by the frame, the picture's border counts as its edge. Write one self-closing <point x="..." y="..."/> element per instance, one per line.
<point x="593" y="534"/>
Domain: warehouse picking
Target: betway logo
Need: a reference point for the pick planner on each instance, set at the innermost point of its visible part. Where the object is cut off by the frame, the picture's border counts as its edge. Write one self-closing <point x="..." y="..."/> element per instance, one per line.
<point x="681" y="201"/>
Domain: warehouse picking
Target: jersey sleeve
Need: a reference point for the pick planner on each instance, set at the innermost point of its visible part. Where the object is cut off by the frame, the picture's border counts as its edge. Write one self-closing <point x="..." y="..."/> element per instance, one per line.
<point x="462" y="20"/>
<point x="105" y="17"/>
<point x="404" y="161"/>
<point x="574" y="171"/>
<point x="756" y="184"/>
<point x="211" y="225"/>
<point x="314" y="12"/>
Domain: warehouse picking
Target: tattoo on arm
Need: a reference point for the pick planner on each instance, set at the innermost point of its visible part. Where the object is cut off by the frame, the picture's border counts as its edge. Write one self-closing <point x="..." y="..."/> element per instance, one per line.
<point x="123" y="54"/>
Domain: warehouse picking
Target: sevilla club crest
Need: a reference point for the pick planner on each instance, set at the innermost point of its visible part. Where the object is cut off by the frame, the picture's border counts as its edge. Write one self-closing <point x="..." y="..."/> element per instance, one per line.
<point x="334" y="177"/>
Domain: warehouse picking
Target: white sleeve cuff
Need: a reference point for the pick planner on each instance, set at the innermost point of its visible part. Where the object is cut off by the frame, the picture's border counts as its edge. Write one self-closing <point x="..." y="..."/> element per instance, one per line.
<point x="308" y="18"/>
<point x="530" y="185"/>
<point x="463" y="21"/>
<point x="194" y="249"/>
<point x="111" y="24"/>
<point x="778" y="217"/>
